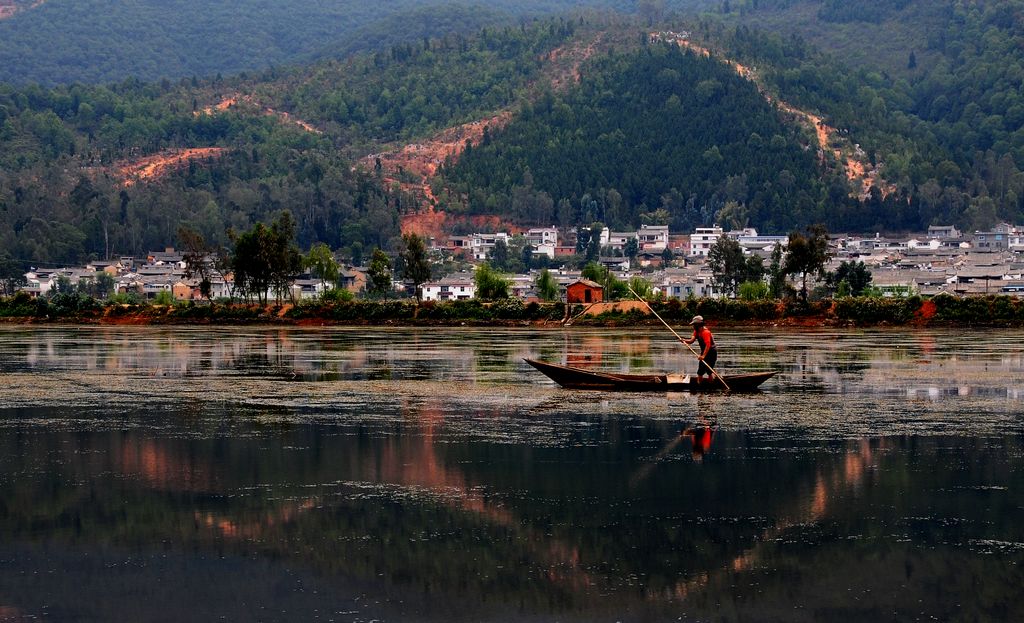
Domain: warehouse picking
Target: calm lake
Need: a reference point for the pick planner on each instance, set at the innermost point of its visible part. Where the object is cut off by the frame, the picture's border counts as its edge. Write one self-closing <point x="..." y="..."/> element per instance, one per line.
<point x="358" y="474"/>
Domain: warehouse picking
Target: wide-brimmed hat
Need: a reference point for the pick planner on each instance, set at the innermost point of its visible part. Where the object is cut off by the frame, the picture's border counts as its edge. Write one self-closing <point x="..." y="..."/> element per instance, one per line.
<point x="697" y="320"/>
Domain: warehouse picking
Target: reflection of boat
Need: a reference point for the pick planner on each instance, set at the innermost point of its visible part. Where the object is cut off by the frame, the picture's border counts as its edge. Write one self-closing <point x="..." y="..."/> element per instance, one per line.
<point x="578" y="378"/>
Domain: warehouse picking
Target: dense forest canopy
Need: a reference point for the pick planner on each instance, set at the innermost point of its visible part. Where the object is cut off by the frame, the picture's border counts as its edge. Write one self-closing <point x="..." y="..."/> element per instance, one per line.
<point x="660" y="129"/>
<point x="415" y="88"/>
<point x="949" y="134"/>
<point x="98" y="41"/>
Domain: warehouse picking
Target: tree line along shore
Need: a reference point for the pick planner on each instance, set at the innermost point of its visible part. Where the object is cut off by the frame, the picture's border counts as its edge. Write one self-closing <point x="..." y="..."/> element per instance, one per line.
<point x="912" y="311"/>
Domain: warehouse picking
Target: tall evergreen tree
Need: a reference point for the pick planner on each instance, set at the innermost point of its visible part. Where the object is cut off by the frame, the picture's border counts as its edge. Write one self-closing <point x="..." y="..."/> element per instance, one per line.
<point x="807" y="255"/>
<point x="415" y="263"/>
<point x="379" y="274"/>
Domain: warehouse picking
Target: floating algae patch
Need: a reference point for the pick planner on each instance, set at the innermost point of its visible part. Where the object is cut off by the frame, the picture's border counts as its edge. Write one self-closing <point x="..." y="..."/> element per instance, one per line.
<point x="466" y="382"/>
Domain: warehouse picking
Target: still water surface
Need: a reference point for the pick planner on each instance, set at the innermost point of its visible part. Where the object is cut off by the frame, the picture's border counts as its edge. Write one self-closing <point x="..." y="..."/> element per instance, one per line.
<point x="169" y="474"/>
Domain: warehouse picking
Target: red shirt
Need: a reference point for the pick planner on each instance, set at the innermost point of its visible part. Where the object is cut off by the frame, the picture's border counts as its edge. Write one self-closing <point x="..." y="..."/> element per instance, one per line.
<point x="703" y="337"/>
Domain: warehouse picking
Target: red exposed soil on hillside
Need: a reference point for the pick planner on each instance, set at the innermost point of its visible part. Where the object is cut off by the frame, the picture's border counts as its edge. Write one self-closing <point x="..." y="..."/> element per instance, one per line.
<point x="155" y="166"/>
<point x="427" y="224"/>
<point x="561" y="74"/>
<point x="248" y="101"/>
<point x="421" y="161"/>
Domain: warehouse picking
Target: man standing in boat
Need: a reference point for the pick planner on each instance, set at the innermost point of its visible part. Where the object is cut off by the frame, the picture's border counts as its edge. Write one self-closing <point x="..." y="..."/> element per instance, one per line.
<point x="708" y="353"/>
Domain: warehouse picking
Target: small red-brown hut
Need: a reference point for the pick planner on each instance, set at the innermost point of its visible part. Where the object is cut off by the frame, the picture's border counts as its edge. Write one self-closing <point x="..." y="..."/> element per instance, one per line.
<point x="584" y="291"/>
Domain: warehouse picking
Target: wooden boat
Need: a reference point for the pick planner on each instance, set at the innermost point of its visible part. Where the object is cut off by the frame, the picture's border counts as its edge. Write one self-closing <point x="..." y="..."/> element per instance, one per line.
<point x="578" y="378"/>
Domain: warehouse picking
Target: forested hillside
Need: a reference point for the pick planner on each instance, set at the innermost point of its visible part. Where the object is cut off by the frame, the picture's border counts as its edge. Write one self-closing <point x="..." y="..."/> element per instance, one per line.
<point x="626" y="131"/>
<point x="98" y="41"/>
<point x="948" y="133"/>
<point x="65" y="153"/>
<point x="660" y="136"/>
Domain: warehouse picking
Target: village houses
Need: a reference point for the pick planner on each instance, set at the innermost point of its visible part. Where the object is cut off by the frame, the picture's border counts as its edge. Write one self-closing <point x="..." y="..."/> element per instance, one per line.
<point x="940" y="260"/>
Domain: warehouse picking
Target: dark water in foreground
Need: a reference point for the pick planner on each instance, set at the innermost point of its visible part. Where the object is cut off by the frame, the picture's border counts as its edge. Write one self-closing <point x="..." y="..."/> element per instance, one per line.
<point x="169" y="474"/>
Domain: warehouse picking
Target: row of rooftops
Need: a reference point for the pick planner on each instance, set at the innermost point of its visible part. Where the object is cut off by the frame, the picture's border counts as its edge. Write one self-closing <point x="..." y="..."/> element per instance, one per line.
<point x="942" y="259"/>
<point x="164" y="271"/>
<point x="653" y="239"/>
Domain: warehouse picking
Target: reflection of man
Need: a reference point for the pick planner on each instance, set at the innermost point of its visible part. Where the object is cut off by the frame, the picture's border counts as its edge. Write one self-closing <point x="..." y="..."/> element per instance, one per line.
<point x="701" y="439"/>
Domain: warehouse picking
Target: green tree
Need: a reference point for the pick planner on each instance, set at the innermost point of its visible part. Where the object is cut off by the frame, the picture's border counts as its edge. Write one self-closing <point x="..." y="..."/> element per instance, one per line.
<point x="776" y="272"/>
<point x="851" y="277"/>
<point x="727" y="264"/>
<point x="379" y="274"/>
<point x="490" y="285"/>
<point x="164" y="297"/>
<point x="526" y="256"/>
<point x="755" y="270"/>
<point x="63" y="286"/>
<point x="12" y="277"/>
<point x="197" y="256"/>
<point x="356" y="251"/>
<point x="631" y="249"/>
<point x="415" y="263"/>
<point x="547" y="287"/>
<point x="613" y="288"/>
<point x="320" y="260"/>
<point x="594" y="245"/>
<point x="103" y="285"/>
<point x="642" y="287"/>
<point x="266" y="258"/>
<point x="754" y="290"/>
<point x="499" y="255"/>
<point x="582" y="240"/>
<point x="807" y="255"/>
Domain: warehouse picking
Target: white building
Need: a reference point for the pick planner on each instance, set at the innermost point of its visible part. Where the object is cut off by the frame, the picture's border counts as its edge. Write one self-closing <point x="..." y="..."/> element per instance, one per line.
<point x="683" y="284"/>
<point x="543" y="240"/>
<point x="460" y="287"/>
<point x="943" y="231"/>
<point x="616" y="240"/>
<point x="703" y="239"/>
<point x="653" y="237"/>
<point x="482" y="245"/>
<point x="751" y="242"/>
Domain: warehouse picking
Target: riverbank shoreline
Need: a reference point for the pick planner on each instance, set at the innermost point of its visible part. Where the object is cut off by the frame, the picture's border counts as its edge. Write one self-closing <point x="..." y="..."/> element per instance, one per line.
<point x="943" y="311"/>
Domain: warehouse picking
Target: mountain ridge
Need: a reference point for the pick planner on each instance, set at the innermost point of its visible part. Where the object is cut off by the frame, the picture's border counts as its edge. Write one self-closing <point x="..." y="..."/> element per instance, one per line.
<point x="293" y="138"/>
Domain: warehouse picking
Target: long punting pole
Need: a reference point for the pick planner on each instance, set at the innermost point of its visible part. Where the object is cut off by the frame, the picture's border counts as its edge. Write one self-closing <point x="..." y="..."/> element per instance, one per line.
<point x="681" y="341"/>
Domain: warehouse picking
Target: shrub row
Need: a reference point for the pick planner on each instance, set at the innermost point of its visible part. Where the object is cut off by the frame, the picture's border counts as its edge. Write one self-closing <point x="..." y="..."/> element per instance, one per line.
<point x="430" y="311"/>
<point x="989" y="310"/>
<point x="993" y="309"/>
<point x="865" y="310"/>
<point x="65" y="305"/>
<point x="681" y="311"/>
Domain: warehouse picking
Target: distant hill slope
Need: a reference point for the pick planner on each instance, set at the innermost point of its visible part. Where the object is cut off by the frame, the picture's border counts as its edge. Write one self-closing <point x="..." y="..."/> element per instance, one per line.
<point x="630" y="132"/>
<point x="660" y="129"/>
<point x="99" y="41"/>
<point x="90" y="170"/>
<point x="930" y="89"/>
<point x="860" y="33"/>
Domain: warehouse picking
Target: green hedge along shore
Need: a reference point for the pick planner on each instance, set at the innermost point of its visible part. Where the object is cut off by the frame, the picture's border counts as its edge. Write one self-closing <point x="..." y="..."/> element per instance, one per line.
<point x="941" y="310"/>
